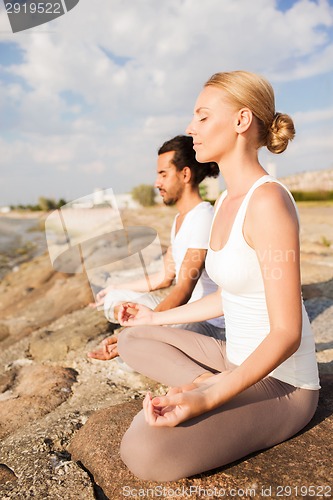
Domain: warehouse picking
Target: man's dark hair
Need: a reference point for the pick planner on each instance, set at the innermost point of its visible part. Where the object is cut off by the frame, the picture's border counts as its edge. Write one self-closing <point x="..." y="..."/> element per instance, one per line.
<point x="184" y="156"/>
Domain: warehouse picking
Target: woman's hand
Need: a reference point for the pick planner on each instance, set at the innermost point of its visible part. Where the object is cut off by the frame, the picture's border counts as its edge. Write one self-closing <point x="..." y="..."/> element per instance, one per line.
<point x="131" y="314"/>
<point x="188" y="401"/>
<point x="179" y="404"/>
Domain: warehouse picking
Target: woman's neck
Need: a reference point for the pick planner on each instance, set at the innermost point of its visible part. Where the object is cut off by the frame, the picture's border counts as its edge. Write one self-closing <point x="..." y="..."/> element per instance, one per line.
<point x="239" y="173"/>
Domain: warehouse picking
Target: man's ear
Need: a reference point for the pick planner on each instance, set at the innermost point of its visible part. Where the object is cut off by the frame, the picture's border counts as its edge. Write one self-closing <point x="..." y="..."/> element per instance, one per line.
<point x="187" y="174"/>
<point x="243" y="120"/>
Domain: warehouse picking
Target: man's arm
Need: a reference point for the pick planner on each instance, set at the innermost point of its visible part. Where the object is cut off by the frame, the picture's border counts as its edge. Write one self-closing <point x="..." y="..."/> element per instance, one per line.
<point x="161" y="279"/>
<point x="189" y="273"/>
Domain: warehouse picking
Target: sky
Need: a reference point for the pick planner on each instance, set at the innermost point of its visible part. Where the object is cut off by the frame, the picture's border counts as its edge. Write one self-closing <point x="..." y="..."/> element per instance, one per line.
<point x="87" y="99"/>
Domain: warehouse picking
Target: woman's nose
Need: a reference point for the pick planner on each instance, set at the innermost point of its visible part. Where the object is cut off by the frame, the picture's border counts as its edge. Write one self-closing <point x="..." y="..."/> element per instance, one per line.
<point x="189" y="129"/>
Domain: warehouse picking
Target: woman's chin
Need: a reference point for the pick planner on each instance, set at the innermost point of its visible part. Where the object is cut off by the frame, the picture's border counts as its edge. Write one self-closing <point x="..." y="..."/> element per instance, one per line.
<point x="201" y="157"/>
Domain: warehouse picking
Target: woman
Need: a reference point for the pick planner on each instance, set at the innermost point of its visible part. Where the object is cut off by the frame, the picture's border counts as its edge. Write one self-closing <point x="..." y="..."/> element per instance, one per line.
<point x="261" y="386"/>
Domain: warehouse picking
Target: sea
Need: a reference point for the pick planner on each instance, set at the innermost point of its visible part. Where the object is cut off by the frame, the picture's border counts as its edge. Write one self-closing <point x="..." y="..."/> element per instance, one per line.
<point x="21" y="239"/>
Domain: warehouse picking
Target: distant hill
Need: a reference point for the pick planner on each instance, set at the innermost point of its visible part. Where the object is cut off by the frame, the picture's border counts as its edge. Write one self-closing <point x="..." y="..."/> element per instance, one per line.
<point x="318" y="180"/>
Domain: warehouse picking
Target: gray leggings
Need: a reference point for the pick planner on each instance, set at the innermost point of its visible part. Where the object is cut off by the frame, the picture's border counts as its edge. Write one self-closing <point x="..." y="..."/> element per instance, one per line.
<point x="264" y="415"/>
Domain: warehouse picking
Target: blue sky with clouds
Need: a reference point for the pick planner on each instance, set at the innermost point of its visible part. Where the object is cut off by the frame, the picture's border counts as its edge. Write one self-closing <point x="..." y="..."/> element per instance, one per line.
<point x="87" y="99"/>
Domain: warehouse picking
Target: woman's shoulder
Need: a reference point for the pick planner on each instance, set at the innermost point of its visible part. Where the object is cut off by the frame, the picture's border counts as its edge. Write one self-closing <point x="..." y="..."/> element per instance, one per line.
<point x="271" y="199"/>
<point x="272" y="193"/>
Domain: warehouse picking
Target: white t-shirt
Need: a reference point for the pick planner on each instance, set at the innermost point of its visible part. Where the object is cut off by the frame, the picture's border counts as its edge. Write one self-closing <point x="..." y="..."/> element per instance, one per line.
<point x="194" y="233"/>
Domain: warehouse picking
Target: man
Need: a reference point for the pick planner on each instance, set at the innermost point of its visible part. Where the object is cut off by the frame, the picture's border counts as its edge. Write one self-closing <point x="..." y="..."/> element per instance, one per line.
<point x="178" y="178"/>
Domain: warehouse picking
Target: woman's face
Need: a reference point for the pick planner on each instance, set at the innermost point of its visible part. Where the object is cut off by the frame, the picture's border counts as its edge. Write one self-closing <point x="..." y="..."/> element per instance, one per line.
<point x="213" y="127"/>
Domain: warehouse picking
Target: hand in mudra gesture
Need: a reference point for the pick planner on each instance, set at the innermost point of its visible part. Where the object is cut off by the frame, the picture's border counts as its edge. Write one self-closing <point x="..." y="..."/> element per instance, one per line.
<point x="131" y="314"/>
<point x="178" y="405"/>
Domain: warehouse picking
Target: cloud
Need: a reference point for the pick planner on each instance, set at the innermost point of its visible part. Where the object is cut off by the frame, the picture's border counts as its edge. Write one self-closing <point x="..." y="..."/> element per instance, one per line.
<point x="313" y="117"/>
<point x="95" y="167"/>
<point x="317" y="63"/>
<point x="98" y="90"/>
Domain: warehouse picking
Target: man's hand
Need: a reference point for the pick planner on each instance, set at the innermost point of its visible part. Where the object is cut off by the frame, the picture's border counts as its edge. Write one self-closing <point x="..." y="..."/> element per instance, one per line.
<point x="108" y="349"/>
<point x="100" y="298"/>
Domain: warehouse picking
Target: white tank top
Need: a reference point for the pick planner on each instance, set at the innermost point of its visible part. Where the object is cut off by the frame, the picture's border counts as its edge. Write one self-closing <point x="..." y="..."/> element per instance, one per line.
<point x="236" y="269"/>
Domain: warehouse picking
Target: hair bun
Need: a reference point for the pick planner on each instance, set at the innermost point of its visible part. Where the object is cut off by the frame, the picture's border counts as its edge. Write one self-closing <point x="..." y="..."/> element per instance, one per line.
<point x="280" y="133"/>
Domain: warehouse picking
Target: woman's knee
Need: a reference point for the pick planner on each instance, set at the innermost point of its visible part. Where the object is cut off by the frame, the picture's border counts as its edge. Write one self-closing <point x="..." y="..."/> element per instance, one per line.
<point x="140" y="450"/>
<point x="126" y="338"/>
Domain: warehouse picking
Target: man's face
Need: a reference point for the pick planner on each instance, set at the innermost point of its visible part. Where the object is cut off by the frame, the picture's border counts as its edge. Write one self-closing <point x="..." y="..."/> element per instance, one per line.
<point x="169" y="181"/>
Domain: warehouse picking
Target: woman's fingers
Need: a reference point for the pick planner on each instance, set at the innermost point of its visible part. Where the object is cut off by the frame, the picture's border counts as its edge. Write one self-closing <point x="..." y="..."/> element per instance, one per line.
<point x="127" y="311"/>
<point x="169" y="400"/>
<point x="134" y="314"/>
<point x="149" y="410"/>
<point x="175" y="407"/>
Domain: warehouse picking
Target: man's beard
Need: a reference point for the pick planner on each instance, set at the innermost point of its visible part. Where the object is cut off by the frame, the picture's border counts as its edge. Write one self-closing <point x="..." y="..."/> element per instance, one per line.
<point x="169" y="202"/>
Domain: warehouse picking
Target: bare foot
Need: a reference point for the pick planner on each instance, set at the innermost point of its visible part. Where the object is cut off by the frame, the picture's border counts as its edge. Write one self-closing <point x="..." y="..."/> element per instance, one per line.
<point x="108" y="350"/>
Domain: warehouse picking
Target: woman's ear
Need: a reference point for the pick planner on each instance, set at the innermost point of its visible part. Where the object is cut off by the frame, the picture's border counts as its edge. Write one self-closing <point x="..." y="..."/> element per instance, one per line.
<point x="244" y="119"/>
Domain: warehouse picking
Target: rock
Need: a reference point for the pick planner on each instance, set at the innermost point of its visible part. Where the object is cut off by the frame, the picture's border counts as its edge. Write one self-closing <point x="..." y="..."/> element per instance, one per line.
<point x="316" y="306"/>
<point x="327" y="288"/>
<point x="323" y="289"/>
<point x="54" y="342"/>
<point x="7" y="380"/>
<point x="45" y="334"/>
<point x="35" y="391"/>
<point x="96" y="446"/>
<point x="280" y="469"/>
<point x="37" y="295"/>
<point x="311" y="291"/>
<point x="4" y="331"/>
<point x="38" y="470"/>
<point x="6" y="474"/>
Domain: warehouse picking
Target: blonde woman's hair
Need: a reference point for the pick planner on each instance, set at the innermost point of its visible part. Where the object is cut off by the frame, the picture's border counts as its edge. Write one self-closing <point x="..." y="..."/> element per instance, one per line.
<point x="252" y="91"/>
